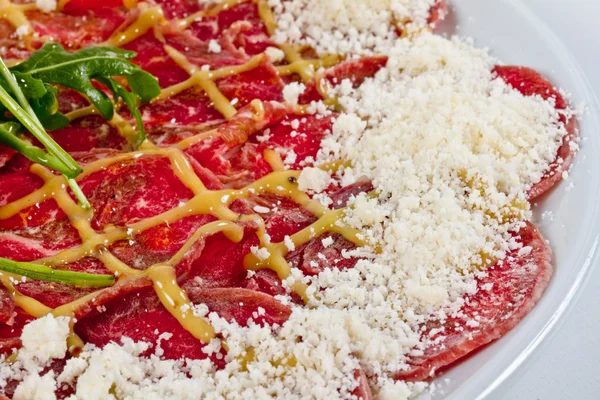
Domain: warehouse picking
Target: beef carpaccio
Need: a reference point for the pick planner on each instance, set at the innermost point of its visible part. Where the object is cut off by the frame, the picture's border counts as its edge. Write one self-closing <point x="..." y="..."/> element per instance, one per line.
<point x="208" y="212"/>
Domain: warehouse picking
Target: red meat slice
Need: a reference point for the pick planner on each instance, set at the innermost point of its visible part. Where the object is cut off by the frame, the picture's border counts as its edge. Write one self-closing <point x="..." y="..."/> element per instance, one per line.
<point x="237" y="166"/>
<point x="530" y="83"/>
<point x="89" y="133"/>
<point x="283" y="218"/>
<point x="7" y="307"/>
<point x="437" y="13"/>
<point x="246" y="122"/>
<point x="362" y="391"/>
<point x="17" y="181"/>
<point x="113" y="293"/>
<point x="265" y="281"/>
<point x="160" y="243"/>
<point x="10" y="334"/>
<point x="56" y="366"/>
<point x="70" y="100"/>
<point x="82" y="5"/>
<point x="8" y="38"/>
<point x="80" y="28"/>
<point x="254" y="38"/>
<point x="152" y="57"/>
<point x="133" y="189"/>
<point x="141" y="317"/>
<point x="304" y="141"/>
<point x="506" y="294"/>
<point x="221" y="262"/>
<point x="6" y="154"/>
<point x="189" y="113"/>
<point x="248" y="34"/>
<point x="197" y="50"/>
<point x="54" y="294"/>
<point x="86" y="157"/>
<point x="36" y="232"/>
<point x="313" y="257"/>
<point x="342" y="196"/>
<point x="240" y="305"/>
<point x="262" y="83"/>
<point x="355" y="70"/>
<point x="179" y="8"/>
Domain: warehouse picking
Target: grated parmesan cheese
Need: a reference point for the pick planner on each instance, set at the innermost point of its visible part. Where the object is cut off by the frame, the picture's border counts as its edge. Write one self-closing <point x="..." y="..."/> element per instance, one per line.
<point x="347" y="26"/>
<point x="314" y="179"/>
<point x="45" y="339"/>
<point x="22" y="30"/>
<point x="261" y="253"/>
<point x="46" y="5"/>
<point x="328" y="241"/>
<point x="36" y="387"/>
<point x="292" y="91"/>
<point x="275" y="54"/>
<point x="214" y="46"/>
<point x="289" y="243"/>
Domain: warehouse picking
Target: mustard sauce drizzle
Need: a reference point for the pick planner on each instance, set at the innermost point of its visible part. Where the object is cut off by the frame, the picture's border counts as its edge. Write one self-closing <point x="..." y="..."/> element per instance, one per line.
<point x="148" y="18"/>
<point x="15" y="13"/>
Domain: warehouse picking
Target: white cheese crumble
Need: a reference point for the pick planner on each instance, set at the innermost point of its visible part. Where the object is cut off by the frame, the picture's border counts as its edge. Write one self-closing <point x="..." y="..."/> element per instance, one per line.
<point x="261" y="209"/>
<point x="275" y="55"/>
<point x="22" y="30"/>
<point x="45" y="339"/>
<point x="292" y="92"/>
<point x="289" y="243"/>
<point x="347" y="26"/>
<point x="314" y="179"/>
<point x="46" y="5"/>
<point x="261" y="253"/>
<point x="36" y="387"/>
<point x="214" y="46"/>
<point x="328" y="241"/>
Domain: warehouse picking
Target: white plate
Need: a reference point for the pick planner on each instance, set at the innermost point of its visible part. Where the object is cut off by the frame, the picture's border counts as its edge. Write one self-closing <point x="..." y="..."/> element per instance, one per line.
<point x="518" y="37"/>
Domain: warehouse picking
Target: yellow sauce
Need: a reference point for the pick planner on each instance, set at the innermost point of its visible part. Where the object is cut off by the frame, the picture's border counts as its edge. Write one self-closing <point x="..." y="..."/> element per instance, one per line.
<point x="148" y="18"/>
<point x="15" y="13"/>
<point x="175" y="300"/>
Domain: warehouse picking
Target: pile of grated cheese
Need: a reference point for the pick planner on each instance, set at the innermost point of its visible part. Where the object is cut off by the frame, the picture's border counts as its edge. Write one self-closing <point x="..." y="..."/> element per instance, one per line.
<point x="347" y="26"/>
<point x="447" y="146"/>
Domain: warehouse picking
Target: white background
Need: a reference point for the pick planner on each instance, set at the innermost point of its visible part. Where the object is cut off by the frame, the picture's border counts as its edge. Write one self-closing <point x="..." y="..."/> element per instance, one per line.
<point x="567" y="365"/>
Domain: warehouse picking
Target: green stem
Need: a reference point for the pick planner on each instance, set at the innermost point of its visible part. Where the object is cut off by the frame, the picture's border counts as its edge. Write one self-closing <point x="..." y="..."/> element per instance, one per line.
<point x="27" y="117"/>
<point x="83" y="201"/>
<point x="8" y="138"/>
<point x="30" y="151"/>
<point x="44" y="273"/>
<point x="57" y="158"/>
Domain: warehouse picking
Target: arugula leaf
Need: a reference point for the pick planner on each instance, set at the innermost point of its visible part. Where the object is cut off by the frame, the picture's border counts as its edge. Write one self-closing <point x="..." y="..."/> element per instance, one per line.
<point x="56" y="158"/>
<point x="46" y="108"/>
<point x="9" y="132"/>
<point x="53" y="65"/>
<point x="131" y="100"/>
<point x="28" y="95"/>
<point x="23" y="112"/>
<point x="44" y="273"/>
<point x="144" y="85"/>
